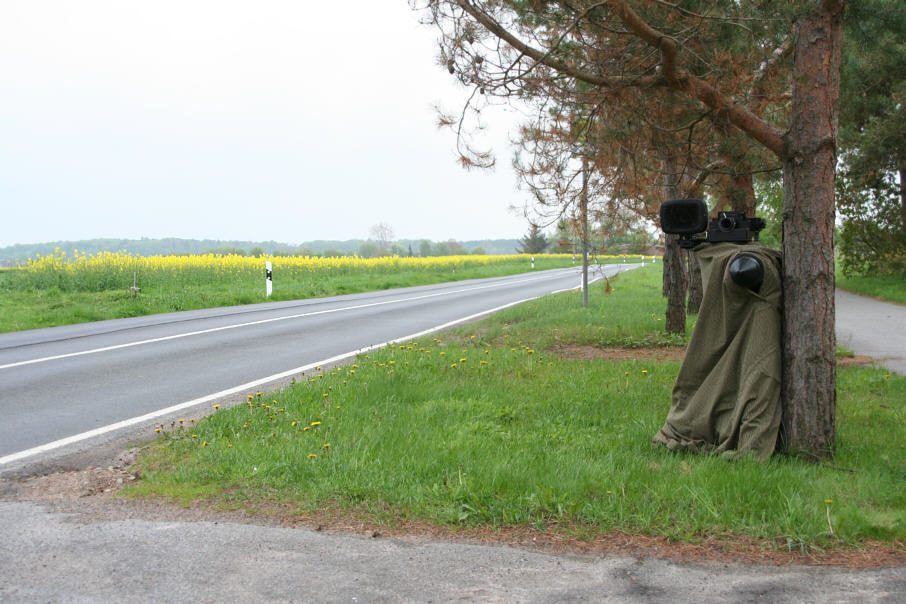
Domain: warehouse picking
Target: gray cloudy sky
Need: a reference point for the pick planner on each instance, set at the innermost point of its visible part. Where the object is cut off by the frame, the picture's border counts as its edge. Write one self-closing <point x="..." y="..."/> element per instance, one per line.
<point x="253" y="120"/>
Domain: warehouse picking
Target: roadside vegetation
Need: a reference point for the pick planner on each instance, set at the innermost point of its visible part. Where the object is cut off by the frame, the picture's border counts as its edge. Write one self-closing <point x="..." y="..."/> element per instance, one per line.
<point x="889" y="287"/>
<point x="539" y="417"/>
<point x="61" y="290"/>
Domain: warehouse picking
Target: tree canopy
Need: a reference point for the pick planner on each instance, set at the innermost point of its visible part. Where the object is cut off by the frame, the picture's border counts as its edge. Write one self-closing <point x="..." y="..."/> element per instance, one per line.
<point x="678" y="90"/>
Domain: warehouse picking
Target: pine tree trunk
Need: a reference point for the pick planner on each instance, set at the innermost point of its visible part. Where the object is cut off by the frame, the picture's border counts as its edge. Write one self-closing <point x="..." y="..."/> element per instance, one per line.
<point x="675" y="285"/>
<point x="674" y="264"/>
<point x="809" y="158"/>
<point x="695" y="284"/>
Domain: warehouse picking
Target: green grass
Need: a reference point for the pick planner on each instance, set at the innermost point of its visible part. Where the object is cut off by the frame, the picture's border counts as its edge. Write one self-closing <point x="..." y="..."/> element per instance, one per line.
<point x="483" y="427"/>
<point x="23" y="305"/>
<point x="885" y="287"/>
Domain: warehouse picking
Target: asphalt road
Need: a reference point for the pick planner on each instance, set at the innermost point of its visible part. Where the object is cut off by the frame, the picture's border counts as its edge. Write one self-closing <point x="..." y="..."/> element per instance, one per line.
<point x="69" y="386"/>
<point x="872" y="328"/>
<point x="50" y="556"/>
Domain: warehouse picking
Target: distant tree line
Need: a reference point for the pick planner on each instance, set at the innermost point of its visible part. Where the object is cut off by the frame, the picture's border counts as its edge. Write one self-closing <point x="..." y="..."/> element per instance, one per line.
<point x="20" y="253"/>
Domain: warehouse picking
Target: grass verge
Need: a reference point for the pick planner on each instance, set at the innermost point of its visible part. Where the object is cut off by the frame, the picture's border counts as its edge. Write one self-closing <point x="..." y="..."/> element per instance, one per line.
<point x="485" y="426"/>
<point x="884" y="287"/>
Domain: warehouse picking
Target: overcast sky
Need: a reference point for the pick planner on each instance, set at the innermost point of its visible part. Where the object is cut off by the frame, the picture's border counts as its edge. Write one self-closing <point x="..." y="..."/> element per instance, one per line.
<point x="268" y="120"/>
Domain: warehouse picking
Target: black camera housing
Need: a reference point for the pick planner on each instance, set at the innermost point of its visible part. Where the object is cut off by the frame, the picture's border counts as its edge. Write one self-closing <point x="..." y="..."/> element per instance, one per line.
<point x="689" y="217"/>
<point x="684" y="217"/>
<point x="734" y="226"/>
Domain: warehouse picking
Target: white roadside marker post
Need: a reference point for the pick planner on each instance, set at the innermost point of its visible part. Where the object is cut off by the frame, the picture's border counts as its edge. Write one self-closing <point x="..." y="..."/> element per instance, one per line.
<point x="268" y="278"/>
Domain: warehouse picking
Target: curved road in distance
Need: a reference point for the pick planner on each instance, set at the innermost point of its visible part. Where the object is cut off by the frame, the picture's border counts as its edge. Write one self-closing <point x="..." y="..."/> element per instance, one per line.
<point x="64" y="387"/>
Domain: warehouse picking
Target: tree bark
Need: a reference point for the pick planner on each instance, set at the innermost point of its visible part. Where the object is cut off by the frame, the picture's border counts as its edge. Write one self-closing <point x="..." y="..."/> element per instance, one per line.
<point x="742" y="193"/>
<point x="674" y="265"/>
<point x="809" y="159"/>
<point x="674" y="285"/>
<point x="695" y="284"/>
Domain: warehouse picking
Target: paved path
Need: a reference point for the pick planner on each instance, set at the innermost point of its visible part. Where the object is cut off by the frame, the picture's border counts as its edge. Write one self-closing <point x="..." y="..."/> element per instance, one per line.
<point x="872" y="328"/>
<point x="54" y="557"/>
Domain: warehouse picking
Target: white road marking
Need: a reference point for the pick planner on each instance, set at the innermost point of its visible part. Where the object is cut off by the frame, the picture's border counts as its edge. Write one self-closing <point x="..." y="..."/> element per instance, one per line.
<point x="262" y="321"/>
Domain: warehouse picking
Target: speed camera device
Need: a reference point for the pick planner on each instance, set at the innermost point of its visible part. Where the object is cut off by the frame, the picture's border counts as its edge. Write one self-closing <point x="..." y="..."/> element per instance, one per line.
<point x="688" y="218"/>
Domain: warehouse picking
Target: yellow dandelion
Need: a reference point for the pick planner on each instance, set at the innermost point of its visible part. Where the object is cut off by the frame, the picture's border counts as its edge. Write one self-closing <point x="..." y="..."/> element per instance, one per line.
<point x="216" y="406"/>
<point x="157" y="429"/>
<point x="306" y="428"/>
<point x="316" y="423"/>
<point x="326" y="445"/>
<point x="194" y="436"/>
<point x="204" y="443"/>
<point x="312" y="456"/>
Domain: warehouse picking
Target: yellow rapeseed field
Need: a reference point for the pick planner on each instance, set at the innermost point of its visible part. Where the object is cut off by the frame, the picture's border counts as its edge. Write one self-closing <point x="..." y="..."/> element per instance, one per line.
<point x="106" y="270"/>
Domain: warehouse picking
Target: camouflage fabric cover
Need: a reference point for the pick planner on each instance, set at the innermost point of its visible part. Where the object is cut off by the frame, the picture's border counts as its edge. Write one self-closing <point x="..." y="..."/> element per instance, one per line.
<point x="726" y="398"/>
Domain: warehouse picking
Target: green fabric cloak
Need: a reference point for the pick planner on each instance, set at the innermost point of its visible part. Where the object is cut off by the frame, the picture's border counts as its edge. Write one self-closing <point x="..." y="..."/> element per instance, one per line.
<point x="726" y="398"/>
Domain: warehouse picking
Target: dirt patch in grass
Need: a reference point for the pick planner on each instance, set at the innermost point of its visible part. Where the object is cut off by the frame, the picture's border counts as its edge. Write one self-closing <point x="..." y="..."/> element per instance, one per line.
<point x="613" y="353"/>
<point x="92" y="495"/>
<point x="857" y="360"/>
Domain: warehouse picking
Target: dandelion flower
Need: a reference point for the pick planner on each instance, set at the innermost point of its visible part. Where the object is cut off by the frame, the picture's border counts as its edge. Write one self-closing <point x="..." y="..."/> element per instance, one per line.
<point x="316" y="423"/>
<point x="312" y="456"/>
<point x="326" y="445"/>
<point x="216" y="406"/>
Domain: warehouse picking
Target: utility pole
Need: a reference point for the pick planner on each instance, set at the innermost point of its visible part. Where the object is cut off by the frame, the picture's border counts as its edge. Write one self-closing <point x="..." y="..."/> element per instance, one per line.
<point x="583" y="216"/>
